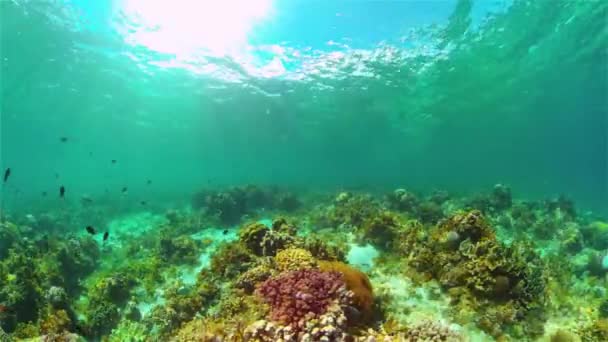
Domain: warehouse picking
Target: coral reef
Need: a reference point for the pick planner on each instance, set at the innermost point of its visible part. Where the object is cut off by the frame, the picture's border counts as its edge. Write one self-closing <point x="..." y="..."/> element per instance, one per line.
<point x="440" y="272"/>
<point x="292" y="259"/>
<point x="463" y="254"/>
<point x="356" y="282"/>
<point x="264" y="241"/>
<point x="230" y="205"/>
<point x="432" y="331"/>
<point x="179" y="250"/>
<point x="299" y="296"/>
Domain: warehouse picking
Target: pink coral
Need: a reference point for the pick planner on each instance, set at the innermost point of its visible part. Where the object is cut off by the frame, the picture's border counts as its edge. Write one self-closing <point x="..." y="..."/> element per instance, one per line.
<point x="299" y="296"/>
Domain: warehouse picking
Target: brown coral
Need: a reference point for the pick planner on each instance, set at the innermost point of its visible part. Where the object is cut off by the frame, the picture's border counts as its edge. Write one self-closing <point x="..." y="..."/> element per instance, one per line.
<point x="357" y="282"/>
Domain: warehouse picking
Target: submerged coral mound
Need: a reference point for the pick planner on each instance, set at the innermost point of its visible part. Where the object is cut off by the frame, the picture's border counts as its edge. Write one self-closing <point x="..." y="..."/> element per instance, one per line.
<point x="441" y="268"/>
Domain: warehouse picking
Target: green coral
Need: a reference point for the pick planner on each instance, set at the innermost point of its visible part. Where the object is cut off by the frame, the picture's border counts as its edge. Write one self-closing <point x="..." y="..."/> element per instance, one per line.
<point x="264" y="241"/>
<point x="347" y="210"/>
<point x="179" y="250"/>
<point x="381" y="230"/>
<point x="248" y="280"/>
<point x="462" y="252"/>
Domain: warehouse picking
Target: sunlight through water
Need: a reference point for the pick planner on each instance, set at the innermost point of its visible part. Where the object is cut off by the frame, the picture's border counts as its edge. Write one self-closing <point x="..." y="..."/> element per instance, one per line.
<point x="185" y="27"/>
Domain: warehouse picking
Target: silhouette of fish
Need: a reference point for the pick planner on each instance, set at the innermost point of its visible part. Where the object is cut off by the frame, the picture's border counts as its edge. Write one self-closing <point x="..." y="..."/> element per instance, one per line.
<point x="106" y="235"/>
<point x="91" y="230"/>
<point x="7" y="174"/>
<point x="61" y="191"/>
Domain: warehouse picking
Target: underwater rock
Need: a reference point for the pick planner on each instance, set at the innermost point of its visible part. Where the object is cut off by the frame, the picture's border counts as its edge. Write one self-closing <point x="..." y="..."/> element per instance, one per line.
<point x="439" y="197"/>
<point x="501" y="197"/>
<point x="428" y="212"/>
<point x="403" y="200"/>
<point x="562" y="206"/>
<point x="286" y="201"/>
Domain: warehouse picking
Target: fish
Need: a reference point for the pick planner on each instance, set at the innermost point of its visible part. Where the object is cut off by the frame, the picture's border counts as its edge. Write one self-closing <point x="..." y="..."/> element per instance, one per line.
<point x="7" y="174"/>
<point x="113" y="161"/>
<point x="106" y="235"/>
<point x="61" y="191"/>
<point x="143" y="202"/>
<point x="149" y="182"/>
<point x="91" y="230"/>
<point x="124" y="189"/>
<point x="44" y="194"/>
<point x="225" y="231"/>
<point x="86" y="199"/>
<point x="63" y="139"/>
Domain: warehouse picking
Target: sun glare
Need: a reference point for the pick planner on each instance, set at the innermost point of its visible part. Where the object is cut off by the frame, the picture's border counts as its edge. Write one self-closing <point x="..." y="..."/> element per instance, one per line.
<point x="182" y="27"/>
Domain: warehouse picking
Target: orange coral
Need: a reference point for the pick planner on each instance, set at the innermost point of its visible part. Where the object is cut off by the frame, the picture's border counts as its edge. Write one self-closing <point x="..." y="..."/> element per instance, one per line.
<point x="357" y="282"/>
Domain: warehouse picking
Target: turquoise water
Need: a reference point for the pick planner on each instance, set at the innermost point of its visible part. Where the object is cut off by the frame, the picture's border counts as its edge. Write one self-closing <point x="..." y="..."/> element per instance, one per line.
<point x="319" y="94"/>
<point x="155" y="117"/>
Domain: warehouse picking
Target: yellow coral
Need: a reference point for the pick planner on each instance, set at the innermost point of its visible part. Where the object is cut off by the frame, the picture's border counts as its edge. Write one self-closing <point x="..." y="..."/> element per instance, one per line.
<point x="292" y="259"/>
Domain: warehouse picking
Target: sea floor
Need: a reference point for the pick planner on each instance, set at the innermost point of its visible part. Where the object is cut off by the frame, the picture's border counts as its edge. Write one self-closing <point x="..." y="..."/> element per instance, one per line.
<point x="264" y="264"/>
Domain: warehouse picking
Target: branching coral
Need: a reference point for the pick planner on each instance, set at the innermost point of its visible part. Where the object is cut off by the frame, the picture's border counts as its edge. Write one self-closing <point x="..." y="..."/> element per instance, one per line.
<point x="299" y="296"/>
<point x="432" y="331"/>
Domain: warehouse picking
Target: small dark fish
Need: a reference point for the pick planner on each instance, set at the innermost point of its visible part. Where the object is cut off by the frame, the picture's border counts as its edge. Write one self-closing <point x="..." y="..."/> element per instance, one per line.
<point x="113" y="161"/>
<point x="225" y="231"/>
<point x="91" y="230"/>
<point x="124" y="189"/>
<point x="106" y="235"/>
<point x="61" y="191"/>
<point x="7" y="174"/>
<point x="143" y="202"/>
<point x="149" y="182"/>
<point x="90" y="154"/>
<point x="63" y="139"/>
<point x="44" y="194"/>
